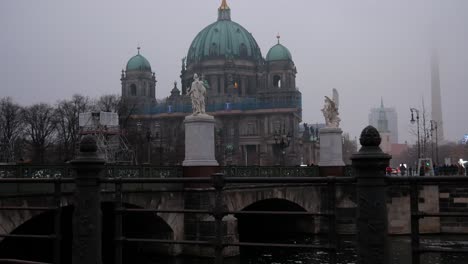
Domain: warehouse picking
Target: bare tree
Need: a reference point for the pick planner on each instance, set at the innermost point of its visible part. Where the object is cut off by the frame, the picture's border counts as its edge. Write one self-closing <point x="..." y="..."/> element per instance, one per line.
<point x="10" y="129"/>
<point x="40" y="129"/>
<point x="422" y="128"/>
<point x="349" y="148"/>
<point x="68" y="113"/>
<point x="115" y="103"/>
<point x="108" y="103"/>
<point x="126" y="109"/>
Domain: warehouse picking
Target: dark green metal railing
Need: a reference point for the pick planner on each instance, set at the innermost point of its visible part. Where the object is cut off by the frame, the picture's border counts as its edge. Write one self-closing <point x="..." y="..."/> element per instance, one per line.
<point x="126" y="171"/>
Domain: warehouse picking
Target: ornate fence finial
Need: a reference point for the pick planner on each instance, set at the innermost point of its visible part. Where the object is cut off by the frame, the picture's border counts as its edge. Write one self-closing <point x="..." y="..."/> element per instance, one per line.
<point x="370" y="137"/>
<point x="88" y="144"/>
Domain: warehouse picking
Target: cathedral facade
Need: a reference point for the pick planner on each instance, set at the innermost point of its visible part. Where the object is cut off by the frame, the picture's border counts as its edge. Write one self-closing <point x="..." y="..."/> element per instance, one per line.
<point x="254" y="99"/>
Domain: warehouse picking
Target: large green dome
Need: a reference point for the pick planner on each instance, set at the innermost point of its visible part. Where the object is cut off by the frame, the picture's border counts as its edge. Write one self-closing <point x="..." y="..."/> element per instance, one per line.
<point x="223" y="38"/>
<point x="278" y="52"/>
<point x="138" y="63"/>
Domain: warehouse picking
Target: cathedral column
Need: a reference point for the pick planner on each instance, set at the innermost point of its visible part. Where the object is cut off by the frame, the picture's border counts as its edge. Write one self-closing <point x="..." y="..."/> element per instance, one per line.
<point x="214" y="84"/>
<point x="221" y="78"/>
<point x="269" y="80"/>
<point x="284" y="82"/>
<point x="243" y="86"/>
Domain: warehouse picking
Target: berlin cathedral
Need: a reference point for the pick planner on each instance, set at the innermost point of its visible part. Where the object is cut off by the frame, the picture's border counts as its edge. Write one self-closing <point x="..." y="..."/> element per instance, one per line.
<point x="254" y="99"/>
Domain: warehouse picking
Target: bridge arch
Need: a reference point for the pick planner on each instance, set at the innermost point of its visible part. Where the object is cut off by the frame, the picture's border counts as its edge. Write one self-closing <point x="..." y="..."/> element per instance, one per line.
<point x="139" y="224"/>
<point x="307" y="197"/>
<point x="273" y="227"/>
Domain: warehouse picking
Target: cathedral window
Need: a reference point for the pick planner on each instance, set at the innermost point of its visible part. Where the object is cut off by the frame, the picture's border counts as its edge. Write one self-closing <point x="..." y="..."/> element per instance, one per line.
<point x="133" y="90"/>
<point x="276" y="127"/>
<point x="213" y="49"/>
<point x="277" y="81"/>
<point x="243" y="50"/>
<point x="251" y="129"/>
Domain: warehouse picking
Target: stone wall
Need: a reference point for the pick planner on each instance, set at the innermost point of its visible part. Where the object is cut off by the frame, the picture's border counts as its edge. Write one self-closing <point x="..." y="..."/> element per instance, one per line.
<point x="399" y="214"/>
<point x="453" y="199"/>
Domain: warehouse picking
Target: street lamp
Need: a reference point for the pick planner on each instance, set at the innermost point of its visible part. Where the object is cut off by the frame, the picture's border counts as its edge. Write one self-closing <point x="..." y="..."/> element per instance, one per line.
<point x="282" y="140"/>
<point x="434" y="127"/>
<point x="414" y="110"/>
<point x="315" y="140"/>
<point x="138" y="156"/>
<point x="148" y="143"/>
<point x="158" y="137"/>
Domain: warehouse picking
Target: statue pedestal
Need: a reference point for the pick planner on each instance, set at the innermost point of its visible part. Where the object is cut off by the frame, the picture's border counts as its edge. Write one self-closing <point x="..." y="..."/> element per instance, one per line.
<point x="199" y="141"/>
<point x="331" y="152"/>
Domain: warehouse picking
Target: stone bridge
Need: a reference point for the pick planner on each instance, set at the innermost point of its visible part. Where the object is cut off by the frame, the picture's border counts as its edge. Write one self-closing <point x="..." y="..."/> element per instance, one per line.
<point x="178" y="226"/>
<point x="173" y="226"/>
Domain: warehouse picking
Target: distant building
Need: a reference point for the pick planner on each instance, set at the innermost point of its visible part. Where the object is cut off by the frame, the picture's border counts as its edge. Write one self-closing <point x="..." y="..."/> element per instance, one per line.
<point x="392" y="120"/>
<point x="436" y="105"/>
<point x="378" y="119"/>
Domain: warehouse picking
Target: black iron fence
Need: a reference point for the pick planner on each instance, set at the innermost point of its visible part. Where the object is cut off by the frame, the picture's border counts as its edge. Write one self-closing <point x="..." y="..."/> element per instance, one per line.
<point x="55" y="207"/>
<point x="415" y="183"/>
<point x="217" y="183"/>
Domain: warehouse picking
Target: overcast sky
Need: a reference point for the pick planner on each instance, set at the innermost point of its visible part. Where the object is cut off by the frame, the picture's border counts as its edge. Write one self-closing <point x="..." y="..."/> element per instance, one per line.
<point x="366" y="49"/>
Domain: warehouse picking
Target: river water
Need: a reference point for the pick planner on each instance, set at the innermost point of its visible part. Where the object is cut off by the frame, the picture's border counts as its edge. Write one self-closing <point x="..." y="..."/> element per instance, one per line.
<point x="399" y="248"/>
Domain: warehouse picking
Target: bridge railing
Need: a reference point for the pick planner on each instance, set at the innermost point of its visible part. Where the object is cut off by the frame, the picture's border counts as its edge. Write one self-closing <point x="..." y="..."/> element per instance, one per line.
<point x="270" y="171"/>
<point x="148" y="171"/>
<point x="35" y="171"/>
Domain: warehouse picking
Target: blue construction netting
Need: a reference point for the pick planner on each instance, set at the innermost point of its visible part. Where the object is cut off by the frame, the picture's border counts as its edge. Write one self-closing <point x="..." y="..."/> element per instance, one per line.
<point x="245" y="105"/>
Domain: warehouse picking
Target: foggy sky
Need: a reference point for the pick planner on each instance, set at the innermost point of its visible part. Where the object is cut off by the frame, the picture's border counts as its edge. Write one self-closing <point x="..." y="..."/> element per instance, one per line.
<point x="366" y="49"/>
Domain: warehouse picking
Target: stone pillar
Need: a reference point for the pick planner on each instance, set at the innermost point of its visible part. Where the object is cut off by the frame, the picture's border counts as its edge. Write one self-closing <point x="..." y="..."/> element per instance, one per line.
<point x="199" y="141"/>
<point x="369" y="165"/>
<point x="283" y="81"/>
<point x="86" y="247"/>
<point x="199" y="147"/>
<point x="331" y="152"/>
<point x="243" y="86"/>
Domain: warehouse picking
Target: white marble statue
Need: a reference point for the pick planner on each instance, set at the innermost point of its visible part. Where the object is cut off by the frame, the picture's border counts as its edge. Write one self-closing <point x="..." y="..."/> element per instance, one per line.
<point x="330" y="110"/>
<point x="197" y="93"/>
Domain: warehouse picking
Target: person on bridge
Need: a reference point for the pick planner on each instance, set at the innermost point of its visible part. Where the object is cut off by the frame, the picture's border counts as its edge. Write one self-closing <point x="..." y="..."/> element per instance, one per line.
<point x="388" y="170"/>
<point x="402" y="170"/>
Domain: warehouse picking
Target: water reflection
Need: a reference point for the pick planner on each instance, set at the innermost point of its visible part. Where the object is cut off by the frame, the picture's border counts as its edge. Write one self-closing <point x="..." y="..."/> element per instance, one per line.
<point x="399" y="247"/>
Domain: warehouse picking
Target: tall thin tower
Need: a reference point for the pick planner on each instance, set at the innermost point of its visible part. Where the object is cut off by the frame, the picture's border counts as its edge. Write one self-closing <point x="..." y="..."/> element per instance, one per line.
<point x="436" y="97"/>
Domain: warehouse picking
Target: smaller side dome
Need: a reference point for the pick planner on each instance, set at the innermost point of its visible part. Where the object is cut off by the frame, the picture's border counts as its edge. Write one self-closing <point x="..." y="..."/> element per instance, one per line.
<point x="278" y="52"/>
<point x="138" y="63"/>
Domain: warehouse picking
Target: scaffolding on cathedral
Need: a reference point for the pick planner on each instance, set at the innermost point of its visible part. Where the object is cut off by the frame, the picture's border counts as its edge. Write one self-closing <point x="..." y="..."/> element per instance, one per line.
<point x="111" y="142"/>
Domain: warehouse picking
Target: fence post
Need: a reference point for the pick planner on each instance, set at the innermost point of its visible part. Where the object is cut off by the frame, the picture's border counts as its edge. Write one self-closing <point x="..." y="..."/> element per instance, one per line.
<point x="369" y="165"/>
<point x="217" y="180"/>
<point x="331" y="204"/>
<point x="57" y="220"/>
<point x="86" y="247"/>
<point x="414" y="208"/>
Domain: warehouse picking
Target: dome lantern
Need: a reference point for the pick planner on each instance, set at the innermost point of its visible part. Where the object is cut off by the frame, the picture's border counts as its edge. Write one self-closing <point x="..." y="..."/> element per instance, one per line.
<point x="278" y="52"/>
<point x="138" y="63"/>
<point x="224" y="12"/>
